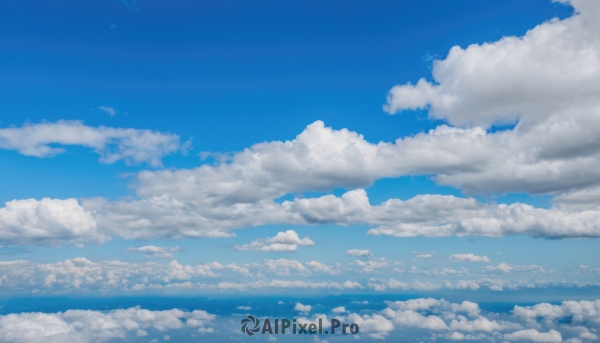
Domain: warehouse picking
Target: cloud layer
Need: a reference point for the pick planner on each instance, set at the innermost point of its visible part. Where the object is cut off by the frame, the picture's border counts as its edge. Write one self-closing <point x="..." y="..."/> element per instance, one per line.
<point x="93" y="326"/>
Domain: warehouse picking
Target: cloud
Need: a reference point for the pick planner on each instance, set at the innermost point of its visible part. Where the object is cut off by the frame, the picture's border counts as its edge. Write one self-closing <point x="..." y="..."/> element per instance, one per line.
<point x="290" y="284"/>
<point x="163" y="217"/>
<point x="302" y="308"/>
<point x="321" y="267"/>
<point x="506" y="268"/>
<point x="94" y="326"/>
<point x="83" y="276"/>
<point x="546" y="81"/>
<point x="532" y="335"/>
<point x="109" y="110"/>
<point x="424" y="256"/>
<point x="245" y="308"/>
<point x="469" y="258"/>
<point x="47" y="222"/>
<point x="80" y="275"/>
<point x="154" y="251"/>
<point x="376" y="325"/>
<point x="382" y="285"/>
<point x="283" y="241"/>
<point x="112" y="144"/>
<point x="283" y="266"/>
<point x="423" y="215"/>
<point x="339" y="309"/>
<point x="359" y="253"/>
<point x="371" y="266"/>
<point x="472" y="285"/>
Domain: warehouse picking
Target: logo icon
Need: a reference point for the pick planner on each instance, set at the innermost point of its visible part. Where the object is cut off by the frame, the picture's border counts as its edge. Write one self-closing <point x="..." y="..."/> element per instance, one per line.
<point x="252" y="321"/>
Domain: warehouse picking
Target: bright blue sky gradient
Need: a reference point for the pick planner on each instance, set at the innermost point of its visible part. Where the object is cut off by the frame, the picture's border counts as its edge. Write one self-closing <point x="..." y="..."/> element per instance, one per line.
<point x="226" y="75"/>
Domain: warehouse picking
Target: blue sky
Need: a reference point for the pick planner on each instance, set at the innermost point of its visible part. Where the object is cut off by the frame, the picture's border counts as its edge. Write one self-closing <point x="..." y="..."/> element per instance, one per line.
<point x="321" y="154"/>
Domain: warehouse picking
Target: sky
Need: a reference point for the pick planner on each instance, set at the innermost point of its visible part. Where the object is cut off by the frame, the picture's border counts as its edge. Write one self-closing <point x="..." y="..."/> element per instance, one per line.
<point x="428" y="170"/>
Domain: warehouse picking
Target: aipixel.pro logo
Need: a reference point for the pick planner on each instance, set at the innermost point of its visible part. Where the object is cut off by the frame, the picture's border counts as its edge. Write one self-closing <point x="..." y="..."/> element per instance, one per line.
<point x="251" y="325"/>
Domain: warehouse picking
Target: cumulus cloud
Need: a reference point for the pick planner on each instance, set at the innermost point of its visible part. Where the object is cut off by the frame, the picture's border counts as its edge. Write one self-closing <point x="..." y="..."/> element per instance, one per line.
<point x="359" y="253"/>
<point x="47" y="221"/>
<point x="469" y="258"/>
<point x="532" y="335"/>
<point x="94" y="326"/>
<point x="302" y="308"/>
<point x="546" y="81"/>
<point x="283" y="241"/>
<point x="112" y="144"/>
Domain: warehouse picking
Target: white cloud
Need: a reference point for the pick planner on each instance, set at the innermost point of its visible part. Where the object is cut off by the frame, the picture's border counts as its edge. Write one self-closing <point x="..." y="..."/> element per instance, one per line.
<point x="284" y="267"/>
<point x="469" y="258"/>
<point x="112" y="144"/>
<point x="108" y="110"/>
<point x="339" y="309"/>
<point x="424" y="256"/>
<point x="469" y="284"/>
<point x="382" y="285"/>
<point x="424" y="215"/>
<point x="80" y="275"/>
<point x="321" y="267"/>
<point x="241" y="270"/>
<point x="506" y="268"/>
<point x="245" y="308"/>
<point x="283" y="284"/>
<point x="94" y="326"/>
<point x="532" y="335"/>
<point x="154" y="251"/>
<point x="547" y="80"/>
<point x="47" y="221"/>
<point x="359" y="253"/>
<point x="283" y="241"/>
<point x="581" y="311"/>
<point x="302" y="308"/>
<point x="376" y="325"/>
<point x="371" y="266"/>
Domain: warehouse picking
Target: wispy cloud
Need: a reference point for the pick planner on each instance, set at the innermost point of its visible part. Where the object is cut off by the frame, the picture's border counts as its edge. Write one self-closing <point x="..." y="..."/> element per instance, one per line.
<point x="131" y="4"/>
<point x="109" y="110"/>
<point x="154" y="251"/>
<point x="469" y="258"/>
<point x="112" y="144"/>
